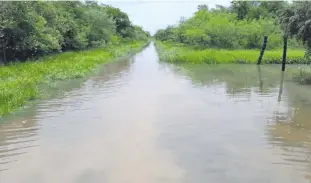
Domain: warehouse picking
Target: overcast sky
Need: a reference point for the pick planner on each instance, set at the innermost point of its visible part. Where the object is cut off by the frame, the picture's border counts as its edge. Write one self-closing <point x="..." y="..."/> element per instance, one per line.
<point x="156" y="14"/>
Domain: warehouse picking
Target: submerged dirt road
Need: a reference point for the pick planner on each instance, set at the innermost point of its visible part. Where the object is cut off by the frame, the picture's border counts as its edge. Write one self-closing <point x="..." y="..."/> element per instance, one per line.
<point x="142" y="121"/>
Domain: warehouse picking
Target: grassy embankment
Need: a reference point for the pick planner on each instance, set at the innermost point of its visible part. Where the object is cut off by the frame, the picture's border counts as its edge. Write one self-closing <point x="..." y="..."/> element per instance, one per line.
<point x="178" y="53"/>
<point x="19" y="83"/>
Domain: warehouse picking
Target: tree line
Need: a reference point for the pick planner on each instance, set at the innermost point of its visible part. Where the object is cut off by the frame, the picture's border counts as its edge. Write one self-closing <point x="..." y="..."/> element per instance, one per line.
<point x="243" y="24"/>
<point x="35" y="28"/>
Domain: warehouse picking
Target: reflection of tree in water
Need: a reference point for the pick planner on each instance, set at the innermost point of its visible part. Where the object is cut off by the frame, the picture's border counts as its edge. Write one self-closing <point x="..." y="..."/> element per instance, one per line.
<point x="112" y="71"/>
<point x="113" y="68"/>
<point x="291" y="128"/>
<point x="19" y="133"/>
<point x="109" y="71"/>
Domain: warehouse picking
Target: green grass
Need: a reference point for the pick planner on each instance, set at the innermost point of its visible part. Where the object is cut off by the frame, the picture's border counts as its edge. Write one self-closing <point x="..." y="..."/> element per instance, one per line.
<point x="21" y="82"/>
<point x="303" y="76"/>
<point x="178" y="53"/>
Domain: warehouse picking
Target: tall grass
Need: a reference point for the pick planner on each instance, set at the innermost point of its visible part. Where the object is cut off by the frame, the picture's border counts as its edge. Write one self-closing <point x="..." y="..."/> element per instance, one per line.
<point x="303" y="76"/>
<point x="178" y="53"/>
<point x="19" y="83"/>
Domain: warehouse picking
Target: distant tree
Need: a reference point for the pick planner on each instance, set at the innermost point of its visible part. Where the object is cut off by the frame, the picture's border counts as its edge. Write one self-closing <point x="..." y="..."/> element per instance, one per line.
<point x="296" y="21"/>
<point x="182" y="20"/>
<point x="273" y="7"/>
<point x="123" y="23"/>
<point x="256" y="9"/>
<point x="241" y="8"/>
<point x="222" y="28"/>
<point x="220" y="8"/>
<point x="203" y="7"/>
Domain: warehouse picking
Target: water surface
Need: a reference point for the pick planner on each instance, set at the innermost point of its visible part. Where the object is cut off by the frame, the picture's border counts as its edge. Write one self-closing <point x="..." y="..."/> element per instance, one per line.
<point x="143" y="121"/>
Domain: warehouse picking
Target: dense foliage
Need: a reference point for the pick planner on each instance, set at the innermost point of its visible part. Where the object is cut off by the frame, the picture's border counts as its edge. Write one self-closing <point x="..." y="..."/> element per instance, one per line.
<point x="296" y="21"/>
<point x="222" y="30"/>
<point x="242" y="25"/>
<point x="31" y="28"/>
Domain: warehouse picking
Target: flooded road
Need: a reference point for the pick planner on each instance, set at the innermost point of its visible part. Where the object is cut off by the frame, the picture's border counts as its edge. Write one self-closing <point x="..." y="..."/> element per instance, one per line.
<point x="142" y="121"/>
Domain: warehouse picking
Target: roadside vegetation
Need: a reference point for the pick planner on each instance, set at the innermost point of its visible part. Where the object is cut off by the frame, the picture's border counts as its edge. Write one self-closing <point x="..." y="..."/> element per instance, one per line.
<point x="171" y="52"/>
<point x="36" y="28"/>
<point x="235" y="34"/>
<point x="44" y="42"/>
<point x="22" y="82"/>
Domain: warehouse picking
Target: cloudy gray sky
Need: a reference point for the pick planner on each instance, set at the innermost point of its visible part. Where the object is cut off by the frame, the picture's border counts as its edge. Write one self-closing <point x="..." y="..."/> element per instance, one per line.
<point x="156" y="14"/>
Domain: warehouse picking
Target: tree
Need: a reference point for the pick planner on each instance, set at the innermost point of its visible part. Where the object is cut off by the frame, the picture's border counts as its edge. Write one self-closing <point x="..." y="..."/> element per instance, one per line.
<point x="257" y="9"/>
<point x="25" y="31"/>
<point x="123" y="23"/>
<point x="241" y="8"/>
<point x="203" y="7"/>
<point x="100" y="27"/>
<point x="296" y="21"/>
<point x="243" y="25"/>
<point x="33" y="28"/>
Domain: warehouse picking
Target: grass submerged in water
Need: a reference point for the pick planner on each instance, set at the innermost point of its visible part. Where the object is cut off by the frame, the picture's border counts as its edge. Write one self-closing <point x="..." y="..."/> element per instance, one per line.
<point x="19" y="83"/>
<point x="178" y="53"/>
<point x="303" y="76"/>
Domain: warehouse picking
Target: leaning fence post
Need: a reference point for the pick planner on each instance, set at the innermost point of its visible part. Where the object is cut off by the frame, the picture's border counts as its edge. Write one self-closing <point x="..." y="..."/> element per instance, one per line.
<point x="284" y="52"/>
<point x="262" y="51"/>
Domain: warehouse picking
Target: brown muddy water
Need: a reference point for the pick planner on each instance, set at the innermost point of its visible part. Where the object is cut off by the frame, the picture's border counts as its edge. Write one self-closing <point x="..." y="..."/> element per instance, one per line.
<point x="143" y="121"/>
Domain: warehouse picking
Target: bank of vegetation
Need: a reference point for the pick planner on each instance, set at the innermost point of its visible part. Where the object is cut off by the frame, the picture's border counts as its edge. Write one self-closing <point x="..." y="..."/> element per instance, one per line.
<point x="171" y="52"/>
<point x="235" y="34"/>
<point x="36" y="28"/>
<point x="58" y="41"/>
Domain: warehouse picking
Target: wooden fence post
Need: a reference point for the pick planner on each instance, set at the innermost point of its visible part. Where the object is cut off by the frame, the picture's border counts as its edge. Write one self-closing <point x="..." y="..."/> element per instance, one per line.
<point x="284" y="52"/>
<point x="262" y="51"/>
